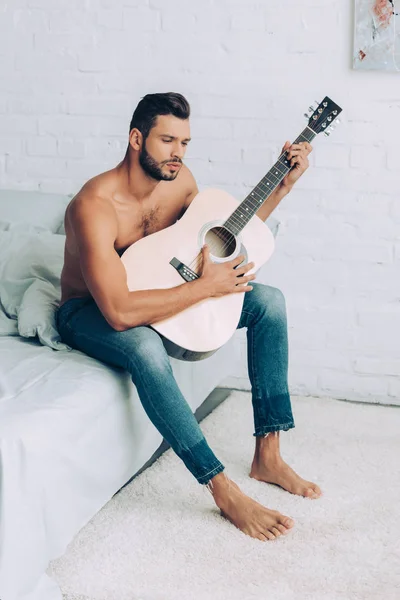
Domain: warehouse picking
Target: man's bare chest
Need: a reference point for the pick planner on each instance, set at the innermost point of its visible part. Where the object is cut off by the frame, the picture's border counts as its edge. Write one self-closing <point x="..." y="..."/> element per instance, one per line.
<point x="136" y="224"/>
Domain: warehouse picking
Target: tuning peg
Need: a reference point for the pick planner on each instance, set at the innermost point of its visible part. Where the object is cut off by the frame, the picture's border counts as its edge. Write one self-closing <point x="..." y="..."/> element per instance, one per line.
<point x="311" y="109"/>
<point x="327" y="133"/>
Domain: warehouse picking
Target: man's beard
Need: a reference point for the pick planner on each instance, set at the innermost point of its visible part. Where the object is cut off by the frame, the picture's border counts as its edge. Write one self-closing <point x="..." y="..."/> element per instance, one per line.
<point x="153" y="169"/>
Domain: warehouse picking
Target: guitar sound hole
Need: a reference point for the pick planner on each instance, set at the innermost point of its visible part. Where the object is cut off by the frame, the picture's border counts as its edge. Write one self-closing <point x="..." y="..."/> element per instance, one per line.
<point x="221" y="242"/>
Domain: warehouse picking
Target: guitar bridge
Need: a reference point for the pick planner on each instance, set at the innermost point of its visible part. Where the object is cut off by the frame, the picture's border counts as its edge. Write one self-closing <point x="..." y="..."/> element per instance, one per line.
<point x="185" y="272"/>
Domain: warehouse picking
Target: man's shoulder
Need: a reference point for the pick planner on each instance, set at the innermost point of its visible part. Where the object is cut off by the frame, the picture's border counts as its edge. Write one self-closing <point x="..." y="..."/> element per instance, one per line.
<point x="190" y="185"/>
<point x="188" y="179"/>
<point x="96" y="191"/>
<point x="92" y="203"/>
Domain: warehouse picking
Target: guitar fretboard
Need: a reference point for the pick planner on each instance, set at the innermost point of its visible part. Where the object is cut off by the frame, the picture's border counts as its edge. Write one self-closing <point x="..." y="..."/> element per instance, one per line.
<point x="250" y="205"/>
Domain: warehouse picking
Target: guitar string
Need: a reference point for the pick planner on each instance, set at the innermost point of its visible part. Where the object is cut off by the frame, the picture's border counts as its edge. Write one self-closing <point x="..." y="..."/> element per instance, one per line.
<point x="194" y="265"/>
<point x="261" y="198"/>
<point x="235" y="220"/>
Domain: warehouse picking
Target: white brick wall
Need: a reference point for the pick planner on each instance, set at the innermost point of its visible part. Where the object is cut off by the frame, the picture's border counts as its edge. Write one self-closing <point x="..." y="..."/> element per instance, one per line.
<point x="72" y="72"/>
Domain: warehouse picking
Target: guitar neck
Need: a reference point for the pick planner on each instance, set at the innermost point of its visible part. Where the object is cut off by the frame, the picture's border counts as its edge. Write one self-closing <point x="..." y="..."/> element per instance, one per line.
<point x="251" y="204"/>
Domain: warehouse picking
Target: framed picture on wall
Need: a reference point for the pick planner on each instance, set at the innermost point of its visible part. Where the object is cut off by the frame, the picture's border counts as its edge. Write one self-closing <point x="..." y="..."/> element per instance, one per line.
<point x="377" y="35"/>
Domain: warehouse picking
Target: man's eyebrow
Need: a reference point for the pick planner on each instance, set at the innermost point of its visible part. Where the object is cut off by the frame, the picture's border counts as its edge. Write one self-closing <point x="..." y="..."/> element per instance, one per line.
<point x="173" y="137"/>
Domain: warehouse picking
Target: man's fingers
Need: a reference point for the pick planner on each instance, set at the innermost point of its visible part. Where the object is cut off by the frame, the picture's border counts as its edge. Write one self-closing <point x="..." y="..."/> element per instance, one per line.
<point x="236" y="261"/>
<point x="205" y="254"/>
<point x="296" y="152"/>
<point x="300" y="162"/>
<point x="307" y="146"/>
<point x="244" y="269"/>
<point x="297" y="160"/>
<point x="303" y="146"/>
<point x="245" y="279"/>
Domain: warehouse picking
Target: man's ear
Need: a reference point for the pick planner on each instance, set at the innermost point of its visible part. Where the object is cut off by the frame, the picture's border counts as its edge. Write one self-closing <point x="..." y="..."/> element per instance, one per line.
<point x="135" y="139"/>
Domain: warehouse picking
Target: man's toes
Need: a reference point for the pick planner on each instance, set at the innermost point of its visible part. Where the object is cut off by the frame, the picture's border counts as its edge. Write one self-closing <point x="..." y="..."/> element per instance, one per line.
<point x="287" y="522"/>
<point x="262" y="537"/>
<point x="282" y="529"/>
<point x="269" y="535"/>
<point x="275" y="531"/>
<point x="313" y="492"/>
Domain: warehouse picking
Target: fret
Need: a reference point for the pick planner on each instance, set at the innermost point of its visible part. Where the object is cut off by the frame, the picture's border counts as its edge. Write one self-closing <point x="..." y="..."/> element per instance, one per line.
<point x="265" y="187"/>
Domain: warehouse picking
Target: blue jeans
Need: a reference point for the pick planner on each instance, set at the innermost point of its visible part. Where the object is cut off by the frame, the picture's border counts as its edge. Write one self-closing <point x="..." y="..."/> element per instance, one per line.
<point x="140" y="351"/>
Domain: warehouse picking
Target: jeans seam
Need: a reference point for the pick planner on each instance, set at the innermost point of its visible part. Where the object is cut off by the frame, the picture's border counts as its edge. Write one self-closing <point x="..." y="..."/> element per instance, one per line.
<point x="219" y="469"/>
<point x="69" y="313"/>
<point x="212" y="470"/>
<point x="261" y="430"/>
<point x="68" y="330"/>
<point x="247" y="312"/>
<point x="251" y="367"/>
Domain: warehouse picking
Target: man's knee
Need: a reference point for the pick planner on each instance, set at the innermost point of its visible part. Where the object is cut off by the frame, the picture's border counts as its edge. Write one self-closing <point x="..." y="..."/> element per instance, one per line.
<point x="146" y="350"/>
<point x="272" y="300"/>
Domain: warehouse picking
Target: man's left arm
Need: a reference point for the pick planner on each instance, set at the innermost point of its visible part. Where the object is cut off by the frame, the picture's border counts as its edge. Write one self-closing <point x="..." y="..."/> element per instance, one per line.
<point x="297" y="154"/>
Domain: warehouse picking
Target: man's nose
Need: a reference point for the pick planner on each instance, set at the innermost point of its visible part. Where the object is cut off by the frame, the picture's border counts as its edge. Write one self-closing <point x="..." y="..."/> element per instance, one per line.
<point x="178" y="151"/>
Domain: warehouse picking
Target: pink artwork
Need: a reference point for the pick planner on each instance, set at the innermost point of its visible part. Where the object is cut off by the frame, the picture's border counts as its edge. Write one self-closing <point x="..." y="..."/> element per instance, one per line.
<point x="377" y="35"/>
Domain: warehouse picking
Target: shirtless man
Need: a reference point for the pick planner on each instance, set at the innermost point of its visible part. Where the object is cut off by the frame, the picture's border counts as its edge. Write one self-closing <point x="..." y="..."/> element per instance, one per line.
<point x="148" y="191"/>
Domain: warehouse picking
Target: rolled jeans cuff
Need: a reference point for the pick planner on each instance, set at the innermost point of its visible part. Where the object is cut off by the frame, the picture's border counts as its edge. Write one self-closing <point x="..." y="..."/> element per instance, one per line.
<point x="204" y="479"/>
<point x="201" y="461"/>
<point x="261" y="431"/>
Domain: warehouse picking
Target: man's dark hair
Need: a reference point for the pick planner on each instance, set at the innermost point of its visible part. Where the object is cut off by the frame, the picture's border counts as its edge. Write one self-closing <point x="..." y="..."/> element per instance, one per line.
<point x="152" y="105"/>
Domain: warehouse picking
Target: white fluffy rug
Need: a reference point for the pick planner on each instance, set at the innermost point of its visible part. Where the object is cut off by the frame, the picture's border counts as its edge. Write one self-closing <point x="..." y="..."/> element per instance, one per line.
<point x="162" y="537"/>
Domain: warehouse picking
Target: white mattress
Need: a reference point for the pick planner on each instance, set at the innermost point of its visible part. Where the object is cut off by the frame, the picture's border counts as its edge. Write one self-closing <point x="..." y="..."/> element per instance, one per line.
<point x="72" y="432"/>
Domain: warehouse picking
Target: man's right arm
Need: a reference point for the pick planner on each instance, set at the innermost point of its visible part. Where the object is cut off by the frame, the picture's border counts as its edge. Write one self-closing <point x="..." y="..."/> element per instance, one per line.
<point x="95" y="228"/>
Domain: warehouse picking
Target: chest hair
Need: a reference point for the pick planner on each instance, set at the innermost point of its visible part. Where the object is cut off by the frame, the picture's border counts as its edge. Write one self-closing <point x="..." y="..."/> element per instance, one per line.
<point x="150" y="221"/>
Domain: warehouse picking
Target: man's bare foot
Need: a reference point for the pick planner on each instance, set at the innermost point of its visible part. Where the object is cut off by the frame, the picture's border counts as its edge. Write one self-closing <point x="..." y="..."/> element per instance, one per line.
<point x="281" y="474"/>
<point x="245" y="513"/>
<point x="269" y="466"/>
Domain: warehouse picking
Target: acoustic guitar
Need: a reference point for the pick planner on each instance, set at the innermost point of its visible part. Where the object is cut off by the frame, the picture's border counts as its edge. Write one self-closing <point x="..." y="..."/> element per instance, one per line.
<point x="169" y="257"/>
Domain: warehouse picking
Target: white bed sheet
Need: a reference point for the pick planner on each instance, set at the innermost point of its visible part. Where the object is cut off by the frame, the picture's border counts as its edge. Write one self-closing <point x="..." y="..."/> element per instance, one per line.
<point x="72" y="432"/>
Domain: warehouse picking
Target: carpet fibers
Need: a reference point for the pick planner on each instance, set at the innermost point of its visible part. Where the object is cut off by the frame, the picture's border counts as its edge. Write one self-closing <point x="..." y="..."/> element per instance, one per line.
<point x="162" y="537"/>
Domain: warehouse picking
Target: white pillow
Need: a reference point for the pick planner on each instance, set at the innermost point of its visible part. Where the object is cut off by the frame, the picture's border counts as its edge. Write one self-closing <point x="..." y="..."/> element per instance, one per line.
<point x="38" y="209"/>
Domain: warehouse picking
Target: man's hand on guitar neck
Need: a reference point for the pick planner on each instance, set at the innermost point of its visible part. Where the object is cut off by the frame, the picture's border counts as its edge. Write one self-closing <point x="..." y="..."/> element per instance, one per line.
<point x="297" y="155"/>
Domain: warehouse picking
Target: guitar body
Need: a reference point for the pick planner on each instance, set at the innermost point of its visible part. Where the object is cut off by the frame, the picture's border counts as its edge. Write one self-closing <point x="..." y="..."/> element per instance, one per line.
<point x="197" y="331"/>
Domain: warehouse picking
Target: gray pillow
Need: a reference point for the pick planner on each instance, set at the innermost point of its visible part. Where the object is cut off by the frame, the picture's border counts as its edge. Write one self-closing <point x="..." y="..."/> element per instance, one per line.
<point x="61" y="229"/>
<point x="40" y="210"/>
<point x="30" y="268"/>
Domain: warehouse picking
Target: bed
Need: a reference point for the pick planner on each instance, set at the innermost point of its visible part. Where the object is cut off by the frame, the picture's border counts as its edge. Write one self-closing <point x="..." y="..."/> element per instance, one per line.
<point x="72" y="429"/>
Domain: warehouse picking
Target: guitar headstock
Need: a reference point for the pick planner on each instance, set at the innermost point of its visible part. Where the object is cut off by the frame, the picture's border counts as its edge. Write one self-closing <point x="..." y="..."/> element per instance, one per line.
<point x="323" y="117"/>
